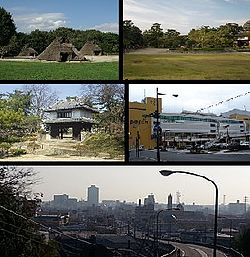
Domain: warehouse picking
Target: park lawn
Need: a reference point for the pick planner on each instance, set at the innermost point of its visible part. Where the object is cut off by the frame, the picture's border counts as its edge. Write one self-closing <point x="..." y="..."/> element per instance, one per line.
<point x="21" y="70"/>
<point x="187" y="66"/>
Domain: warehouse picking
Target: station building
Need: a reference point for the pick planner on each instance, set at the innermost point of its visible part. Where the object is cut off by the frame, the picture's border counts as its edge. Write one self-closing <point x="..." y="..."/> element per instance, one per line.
<point x="141" y="122"/>
<point x="181" y="128"/>
<point x="189" y="127"/>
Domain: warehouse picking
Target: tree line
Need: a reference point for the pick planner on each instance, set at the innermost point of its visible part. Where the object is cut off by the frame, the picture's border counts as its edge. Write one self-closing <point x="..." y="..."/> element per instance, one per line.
<point x="11" y="41"/>
<point x="204" y="37"/>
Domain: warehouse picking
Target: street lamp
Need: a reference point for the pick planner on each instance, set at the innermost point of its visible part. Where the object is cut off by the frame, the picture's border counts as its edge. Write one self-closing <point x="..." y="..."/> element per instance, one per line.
<point x="170" y="172"/>
<point x="157" y="123"/>
<point x="157" y="225"/>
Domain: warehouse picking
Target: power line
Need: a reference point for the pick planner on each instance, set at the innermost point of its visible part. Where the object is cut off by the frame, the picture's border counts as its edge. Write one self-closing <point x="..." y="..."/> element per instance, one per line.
<point x="27" y="238"/>
<point x="45" y="227"/>
<point x="223" y="101"/>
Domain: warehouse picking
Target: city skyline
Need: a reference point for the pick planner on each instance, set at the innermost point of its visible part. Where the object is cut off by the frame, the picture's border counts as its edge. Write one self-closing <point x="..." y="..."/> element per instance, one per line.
<point x="193" y="97"/>
<point x="50" y="15"/>
<point x="186" y="15"/>
<point x="125" y="183"/>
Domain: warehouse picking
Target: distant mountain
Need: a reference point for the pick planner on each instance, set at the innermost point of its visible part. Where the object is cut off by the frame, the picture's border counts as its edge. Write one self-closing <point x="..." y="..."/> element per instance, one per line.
<point x="235" y="111"/>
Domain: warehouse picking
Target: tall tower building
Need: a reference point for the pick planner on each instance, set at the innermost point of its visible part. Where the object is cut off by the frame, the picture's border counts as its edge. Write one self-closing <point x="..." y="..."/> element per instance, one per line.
<point x="149" y="201"/>
<point x="170" y="201"/>
<point x="93" y="195"/>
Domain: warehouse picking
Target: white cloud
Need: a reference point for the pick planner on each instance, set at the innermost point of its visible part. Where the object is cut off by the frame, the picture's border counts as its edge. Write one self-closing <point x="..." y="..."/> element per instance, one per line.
<point x="183" y="15"/>
<point x="41" y="21"/>
<point x="193" y="97"/>
<point x="107" y="27"/>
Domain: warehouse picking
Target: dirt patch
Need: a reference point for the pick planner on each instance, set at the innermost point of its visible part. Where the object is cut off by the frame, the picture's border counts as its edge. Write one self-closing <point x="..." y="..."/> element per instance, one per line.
<point x="149" y="51"/>
<point x="103" y="58"/>
<point x="66" y="158"/>
<point x="54" y="150"/>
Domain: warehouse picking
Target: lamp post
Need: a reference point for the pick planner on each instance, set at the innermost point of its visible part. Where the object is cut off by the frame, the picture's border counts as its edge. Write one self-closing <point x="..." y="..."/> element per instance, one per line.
<point x="157" y="225"/>
<point x="170" y="172"/>
<point x="157" y="123"/>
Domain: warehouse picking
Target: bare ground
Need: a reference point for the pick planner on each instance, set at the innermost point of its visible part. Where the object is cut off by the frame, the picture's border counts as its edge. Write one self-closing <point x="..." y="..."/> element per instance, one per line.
<point x="56" y="150"/>
<point x="66" y="158"/>
<point x="103" y="58"/>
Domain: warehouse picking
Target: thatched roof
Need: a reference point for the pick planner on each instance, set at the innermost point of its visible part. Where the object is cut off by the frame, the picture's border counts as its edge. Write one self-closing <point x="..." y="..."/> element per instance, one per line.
<point x="27" y="51"/>
<point x="90" y="48"/>
<point x="60" y="50"/>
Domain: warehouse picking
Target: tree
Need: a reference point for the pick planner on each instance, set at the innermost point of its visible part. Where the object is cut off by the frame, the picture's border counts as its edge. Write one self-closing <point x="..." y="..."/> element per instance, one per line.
<point x="153" y="36"/>
<point x="242" y="241"/>
<point x="16" y="121"/>
<point x="7" y="27"/>
<point x="132" y="36"/>
<point x="110" y="42"/>
<point x="39" y="40"/>
<point x="42" y="96"/>
<point x="227" y="34"/>
<point x="172" y="39"/>
<point x="19" y="236"/>
<point x="109" y="98"/>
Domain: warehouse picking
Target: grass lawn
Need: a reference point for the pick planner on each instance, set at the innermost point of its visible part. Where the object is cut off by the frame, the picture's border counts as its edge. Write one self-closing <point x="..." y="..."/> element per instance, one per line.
<point x="187" y="66"/>
<point x="15" y="70"/>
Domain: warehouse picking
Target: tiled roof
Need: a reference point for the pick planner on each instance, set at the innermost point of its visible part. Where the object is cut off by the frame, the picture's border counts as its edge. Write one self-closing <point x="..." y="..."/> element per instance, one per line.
<point x="70" y="103"/>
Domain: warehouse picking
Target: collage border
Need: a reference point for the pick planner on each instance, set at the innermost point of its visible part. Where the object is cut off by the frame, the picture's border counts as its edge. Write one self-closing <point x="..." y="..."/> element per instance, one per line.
<point x="127" y="84"/>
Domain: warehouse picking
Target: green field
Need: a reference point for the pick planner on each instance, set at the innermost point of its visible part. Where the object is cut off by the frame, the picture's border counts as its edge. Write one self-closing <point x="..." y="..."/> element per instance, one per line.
<point x="235" y="66"/>
<point x="21" y="70"/>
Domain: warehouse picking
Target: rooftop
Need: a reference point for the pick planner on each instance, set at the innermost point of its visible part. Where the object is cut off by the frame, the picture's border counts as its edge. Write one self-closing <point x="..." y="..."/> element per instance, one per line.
<point x="71" y="103"/>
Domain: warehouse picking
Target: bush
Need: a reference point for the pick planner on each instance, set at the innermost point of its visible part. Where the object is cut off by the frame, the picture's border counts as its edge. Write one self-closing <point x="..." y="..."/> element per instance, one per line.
<point x="17" y="152"/>
<point x="4" y="149"/>
<point x="101" y="143"/>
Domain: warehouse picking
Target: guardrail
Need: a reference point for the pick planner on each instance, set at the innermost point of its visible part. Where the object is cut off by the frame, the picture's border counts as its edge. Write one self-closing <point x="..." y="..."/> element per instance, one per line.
<point x="171" y="254"/>
<point x="229" y="251"/>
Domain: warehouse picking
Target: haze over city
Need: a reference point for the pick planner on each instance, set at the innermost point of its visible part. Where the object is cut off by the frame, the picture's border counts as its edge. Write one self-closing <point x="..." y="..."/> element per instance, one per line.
<point x="193" y="97"/>
<point x="136" y="182"/>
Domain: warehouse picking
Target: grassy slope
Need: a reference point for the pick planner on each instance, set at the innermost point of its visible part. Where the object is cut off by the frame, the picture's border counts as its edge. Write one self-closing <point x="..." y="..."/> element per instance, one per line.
<point x="204" y="67"/>
<point x="61" y="71"/>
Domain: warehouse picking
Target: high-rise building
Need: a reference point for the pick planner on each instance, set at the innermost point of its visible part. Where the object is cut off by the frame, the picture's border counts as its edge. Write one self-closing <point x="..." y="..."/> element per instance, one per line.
<point x="170" y="202"/>
<point x="93" y="195"/>
<point x="150" y="200"/>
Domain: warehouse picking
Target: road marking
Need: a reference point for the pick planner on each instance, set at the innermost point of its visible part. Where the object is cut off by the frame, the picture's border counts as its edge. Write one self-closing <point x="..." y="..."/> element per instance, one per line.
<point x="203" y="254"/>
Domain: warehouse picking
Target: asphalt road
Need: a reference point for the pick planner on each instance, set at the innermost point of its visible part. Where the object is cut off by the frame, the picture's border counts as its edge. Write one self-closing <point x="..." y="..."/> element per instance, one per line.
<point x="181" y="156"/>
<point x="191" y="250"/>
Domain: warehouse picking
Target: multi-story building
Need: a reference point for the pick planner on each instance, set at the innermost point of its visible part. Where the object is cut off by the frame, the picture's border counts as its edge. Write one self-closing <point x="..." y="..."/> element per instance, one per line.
<point x="190" y="127"/>
<point x="180" y="128"/>
<point x="71" y="113"/>
<point x="170" y="201"/>
<point x="63" y="202"/>
<point x="236" y="208"/>
<point x="144" y="215"/>
<point x="140" y="122"/>
<point x="93" y="196"/>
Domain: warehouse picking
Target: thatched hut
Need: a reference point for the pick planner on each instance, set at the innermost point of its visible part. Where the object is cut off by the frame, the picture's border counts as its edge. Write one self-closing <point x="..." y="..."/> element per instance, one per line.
<point x="28" y="51"/>
<point x="90" y="48"/>
<point x="60" y="50"/>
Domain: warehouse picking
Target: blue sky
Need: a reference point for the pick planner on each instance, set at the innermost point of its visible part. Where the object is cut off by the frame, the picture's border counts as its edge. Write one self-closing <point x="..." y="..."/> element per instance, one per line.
<point x="183" y="15"/>
<point x="63" y="90"/>
<point x="51" y="14"/>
